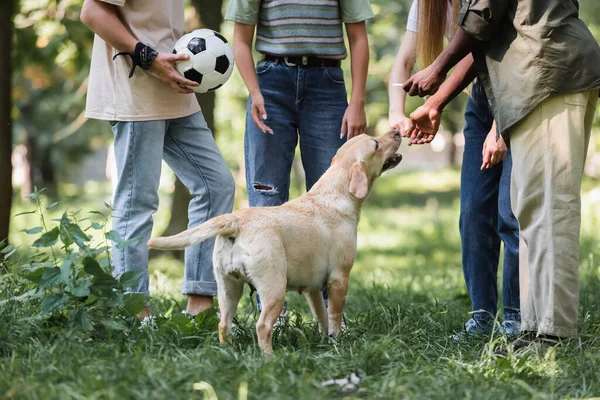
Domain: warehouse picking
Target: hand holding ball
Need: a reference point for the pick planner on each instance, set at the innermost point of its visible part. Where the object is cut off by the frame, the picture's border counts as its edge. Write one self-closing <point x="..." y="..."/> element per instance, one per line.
<point x="211" y="59"/>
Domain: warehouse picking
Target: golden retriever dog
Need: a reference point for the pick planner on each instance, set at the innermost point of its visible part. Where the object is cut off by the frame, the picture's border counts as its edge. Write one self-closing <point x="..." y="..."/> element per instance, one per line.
<point x="304" y="245"/>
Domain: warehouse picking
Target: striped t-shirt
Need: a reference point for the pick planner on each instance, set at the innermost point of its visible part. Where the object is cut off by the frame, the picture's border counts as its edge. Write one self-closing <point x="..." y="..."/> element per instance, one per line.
<point x="300" y="27"/>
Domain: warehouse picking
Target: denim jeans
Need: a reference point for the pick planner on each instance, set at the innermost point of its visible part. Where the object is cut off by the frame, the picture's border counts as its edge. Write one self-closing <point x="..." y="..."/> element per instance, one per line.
<point x="486" y="219"/>
<point x="188" y="147"/>
<point x="305" y="104"/>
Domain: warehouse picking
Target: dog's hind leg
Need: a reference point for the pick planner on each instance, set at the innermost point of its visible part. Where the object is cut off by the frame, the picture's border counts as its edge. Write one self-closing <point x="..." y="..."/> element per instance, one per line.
<point x="317" y="306"/>
<point x="272" y="300"/>
<point x="230" y="293"/>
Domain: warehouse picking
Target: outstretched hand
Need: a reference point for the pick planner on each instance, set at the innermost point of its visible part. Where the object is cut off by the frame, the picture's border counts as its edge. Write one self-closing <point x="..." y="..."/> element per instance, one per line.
<point x="425" y="123"/>
<point x="425" y="82"/>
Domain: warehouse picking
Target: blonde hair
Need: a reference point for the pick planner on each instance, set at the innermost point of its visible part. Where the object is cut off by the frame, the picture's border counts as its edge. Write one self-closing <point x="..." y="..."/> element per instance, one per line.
<point x="433" y="24"/>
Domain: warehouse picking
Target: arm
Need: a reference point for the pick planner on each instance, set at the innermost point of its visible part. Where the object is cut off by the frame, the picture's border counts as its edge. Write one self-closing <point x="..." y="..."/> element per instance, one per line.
<point x="243" y="35"/>
<point x="479" y="21"/>
<point x="429" y="80"/>
<point x="403" y="66"/>
<point x="104" y="20"/>
<point x="355" y="118"/>
<point x="427" y="118"/>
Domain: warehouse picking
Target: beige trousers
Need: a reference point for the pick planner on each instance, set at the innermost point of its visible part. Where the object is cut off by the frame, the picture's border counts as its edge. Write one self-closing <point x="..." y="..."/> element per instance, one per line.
<point x="549" y="148"/>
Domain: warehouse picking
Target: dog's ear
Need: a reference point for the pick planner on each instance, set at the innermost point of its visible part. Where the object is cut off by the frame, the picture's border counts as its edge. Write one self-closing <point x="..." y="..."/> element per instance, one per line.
<point x="359" y="183"/>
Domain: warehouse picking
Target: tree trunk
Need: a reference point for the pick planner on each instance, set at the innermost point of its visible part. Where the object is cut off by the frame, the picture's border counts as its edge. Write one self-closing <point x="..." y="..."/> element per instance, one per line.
<point x="6" y="190"/>
<point x="211" y="17"/>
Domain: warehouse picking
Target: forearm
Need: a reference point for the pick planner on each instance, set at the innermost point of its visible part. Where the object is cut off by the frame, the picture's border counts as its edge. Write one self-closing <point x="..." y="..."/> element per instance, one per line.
<point x="242" y="50"/>
<point x="463" y="74"/>
<point x="459" y="47"/>
<point x="359" y="62"/>
<point x="401" y="71"/>
<point x="104" y="20"/>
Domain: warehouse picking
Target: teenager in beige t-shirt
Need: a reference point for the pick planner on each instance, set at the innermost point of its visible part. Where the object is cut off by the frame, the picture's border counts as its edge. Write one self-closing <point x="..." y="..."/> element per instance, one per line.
<point x="154" y="117"/>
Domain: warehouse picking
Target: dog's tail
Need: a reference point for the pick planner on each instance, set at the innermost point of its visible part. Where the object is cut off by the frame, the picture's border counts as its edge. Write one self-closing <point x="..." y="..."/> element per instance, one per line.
<point x="223" y="225"/>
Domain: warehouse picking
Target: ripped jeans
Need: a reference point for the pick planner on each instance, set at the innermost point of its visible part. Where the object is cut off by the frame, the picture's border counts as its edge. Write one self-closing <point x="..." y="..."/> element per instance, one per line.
<point x="305" y="104"/>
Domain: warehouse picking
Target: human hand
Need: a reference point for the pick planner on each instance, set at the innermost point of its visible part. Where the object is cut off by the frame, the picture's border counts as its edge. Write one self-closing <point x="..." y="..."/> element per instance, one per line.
<point x="354" y="122"/>
<point x="494" y="150"/>
<point x="425" y="82"/>
<point x="400" y="122"/>
<point x="258" y="113"/>
<point x="425" y="123"/>
<point x="163" y="67"/>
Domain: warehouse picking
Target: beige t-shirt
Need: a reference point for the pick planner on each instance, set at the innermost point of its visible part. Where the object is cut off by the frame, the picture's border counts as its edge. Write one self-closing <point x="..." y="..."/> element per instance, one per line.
<point x="112" y="95"/>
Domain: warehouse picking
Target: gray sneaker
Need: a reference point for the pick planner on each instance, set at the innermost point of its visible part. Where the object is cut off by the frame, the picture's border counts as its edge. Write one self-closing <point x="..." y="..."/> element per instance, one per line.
<point x="509" y="328"/>
<point x="473" y="329"/>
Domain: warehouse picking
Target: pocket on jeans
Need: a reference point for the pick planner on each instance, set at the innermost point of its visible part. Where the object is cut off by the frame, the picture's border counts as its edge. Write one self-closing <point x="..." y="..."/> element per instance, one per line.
<point x="263" y="67"/>
<point x="335" y="74"/>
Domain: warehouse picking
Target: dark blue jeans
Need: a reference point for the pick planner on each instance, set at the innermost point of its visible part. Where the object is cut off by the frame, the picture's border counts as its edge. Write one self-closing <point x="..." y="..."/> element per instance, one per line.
<point x="302" y="104"/>
<point x="486" y="219"/>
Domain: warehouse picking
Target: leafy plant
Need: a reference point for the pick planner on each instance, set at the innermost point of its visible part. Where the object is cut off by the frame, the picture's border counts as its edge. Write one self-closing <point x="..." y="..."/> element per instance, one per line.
<point x="71" y="277"/>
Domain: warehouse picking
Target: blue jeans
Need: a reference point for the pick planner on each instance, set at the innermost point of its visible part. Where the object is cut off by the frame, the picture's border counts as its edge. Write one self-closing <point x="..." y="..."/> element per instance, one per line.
<point x="305" y="104"/>
<point x="486" y="219"/>
<point x="188" y="147"/>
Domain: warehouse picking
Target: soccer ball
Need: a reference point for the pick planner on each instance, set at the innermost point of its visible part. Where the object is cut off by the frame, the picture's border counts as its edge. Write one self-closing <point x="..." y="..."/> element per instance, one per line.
<point x="211" y="59"/>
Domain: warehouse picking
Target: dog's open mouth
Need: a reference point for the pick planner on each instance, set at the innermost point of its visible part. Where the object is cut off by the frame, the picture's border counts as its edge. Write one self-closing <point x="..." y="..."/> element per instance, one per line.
<point x="392" y="162"/>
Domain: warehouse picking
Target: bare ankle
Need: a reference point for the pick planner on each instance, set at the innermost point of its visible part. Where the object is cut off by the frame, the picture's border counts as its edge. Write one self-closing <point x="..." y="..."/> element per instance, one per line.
<point x="197" y="304"/>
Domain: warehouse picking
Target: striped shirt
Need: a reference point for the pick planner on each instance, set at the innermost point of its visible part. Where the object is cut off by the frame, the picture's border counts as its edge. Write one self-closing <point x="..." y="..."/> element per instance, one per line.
<point x="300" y="27"/>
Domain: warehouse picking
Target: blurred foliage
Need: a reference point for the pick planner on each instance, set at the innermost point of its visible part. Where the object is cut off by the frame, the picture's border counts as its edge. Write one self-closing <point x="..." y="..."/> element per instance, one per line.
<point x="51" y="65"/>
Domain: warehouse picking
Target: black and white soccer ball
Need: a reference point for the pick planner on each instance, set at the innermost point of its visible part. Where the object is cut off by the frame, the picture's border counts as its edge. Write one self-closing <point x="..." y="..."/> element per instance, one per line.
<point x="211" y="59"/>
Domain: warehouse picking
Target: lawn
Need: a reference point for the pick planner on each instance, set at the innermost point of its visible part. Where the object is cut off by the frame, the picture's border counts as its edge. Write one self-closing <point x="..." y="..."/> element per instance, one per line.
<point x="406" y="298"/>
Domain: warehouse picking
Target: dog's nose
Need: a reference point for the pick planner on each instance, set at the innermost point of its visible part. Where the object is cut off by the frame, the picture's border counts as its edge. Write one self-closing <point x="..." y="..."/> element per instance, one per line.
<point x="396" y="133"/>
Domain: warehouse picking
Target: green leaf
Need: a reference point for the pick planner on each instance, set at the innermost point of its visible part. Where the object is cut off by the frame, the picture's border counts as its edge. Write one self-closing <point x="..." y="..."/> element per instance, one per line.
<point x="114" y="236"/>
<point x="7" y="249"/>
<point x="25" y="213"/>
<point x="92" y="267"/>
<point x="32" y="196"/>
<point x="91" y="300"/>
<point x="83" y="320"/>
<point x="97" y="226"/>
<point x="96" y="212"/>
<point x="53" y="302"/>
<point x="52" y="276"/>
<point x="53" y="205"/>
<point x="107" y="205"/>
<point x="134" y="303"/>
<point x="10" y="253"/>
<point x="126" y="243"/>
<point x="131" y="278"/>
<point x="81" y="288"/>
<point x="65" y="269"/>
<point x="104" y="285"/>
<point x="72" y="233"/>
<point x="33" y="231"/>
<point x="47" y="239"/>
<point x="33" y="272"/>
<point x="78" y="235"/>
<point x="116" y="300"/>
<point x="114" y="324"/>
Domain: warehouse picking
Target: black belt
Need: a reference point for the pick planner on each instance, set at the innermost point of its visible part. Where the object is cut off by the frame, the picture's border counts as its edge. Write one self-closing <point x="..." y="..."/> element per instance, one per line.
<point x="305" y="61"/>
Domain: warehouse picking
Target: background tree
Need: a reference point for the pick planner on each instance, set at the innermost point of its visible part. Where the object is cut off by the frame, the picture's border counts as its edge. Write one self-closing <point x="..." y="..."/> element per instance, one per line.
<point x="6" y="14"/>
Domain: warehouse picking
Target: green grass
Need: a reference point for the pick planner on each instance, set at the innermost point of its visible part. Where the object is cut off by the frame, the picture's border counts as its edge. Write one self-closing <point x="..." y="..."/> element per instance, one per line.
<point x="406" y="298"/>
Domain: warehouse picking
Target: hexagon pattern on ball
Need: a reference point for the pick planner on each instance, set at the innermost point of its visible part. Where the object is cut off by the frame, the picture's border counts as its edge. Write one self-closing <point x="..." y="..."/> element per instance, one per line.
<point x="211" y="59"/>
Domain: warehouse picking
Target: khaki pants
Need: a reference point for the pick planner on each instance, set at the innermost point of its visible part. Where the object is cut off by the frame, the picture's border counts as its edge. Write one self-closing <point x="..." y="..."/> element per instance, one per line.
<point x="549" y="148"/>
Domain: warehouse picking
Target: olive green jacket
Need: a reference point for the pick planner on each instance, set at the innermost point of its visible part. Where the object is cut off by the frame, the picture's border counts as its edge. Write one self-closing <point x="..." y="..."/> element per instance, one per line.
<point x="531" y="49"/>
